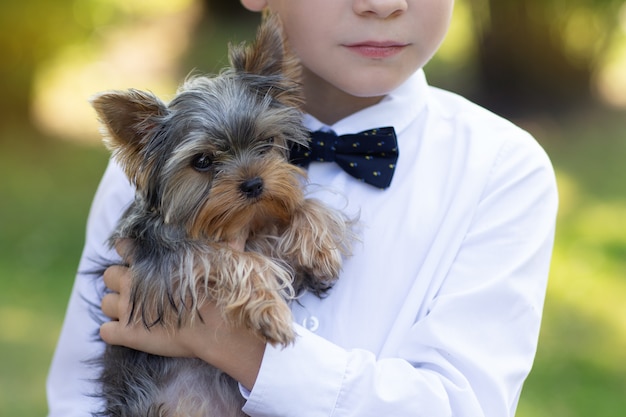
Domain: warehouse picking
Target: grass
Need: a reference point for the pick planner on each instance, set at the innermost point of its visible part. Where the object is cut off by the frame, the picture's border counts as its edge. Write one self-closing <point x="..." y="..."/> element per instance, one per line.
<point x="46" y="187"/>
<point x="45" y="192"/>
<point x="580" y="368"/>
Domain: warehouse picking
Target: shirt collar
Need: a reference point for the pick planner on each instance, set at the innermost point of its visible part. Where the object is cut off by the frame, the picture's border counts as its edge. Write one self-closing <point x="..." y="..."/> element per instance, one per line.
<point x="397" y="109"/>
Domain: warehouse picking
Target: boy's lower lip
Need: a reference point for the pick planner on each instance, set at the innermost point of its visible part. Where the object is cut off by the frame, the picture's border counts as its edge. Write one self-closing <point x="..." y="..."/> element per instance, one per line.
<point x="376" y="51"/>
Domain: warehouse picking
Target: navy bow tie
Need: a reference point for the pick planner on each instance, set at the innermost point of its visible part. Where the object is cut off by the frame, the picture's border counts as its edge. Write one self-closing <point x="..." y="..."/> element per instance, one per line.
<point x="369" y="156"/>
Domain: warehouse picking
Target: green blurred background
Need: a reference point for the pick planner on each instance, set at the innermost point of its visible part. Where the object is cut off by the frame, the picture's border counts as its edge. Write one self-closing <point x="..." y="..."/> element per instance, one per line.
<point x="556" y="67"/>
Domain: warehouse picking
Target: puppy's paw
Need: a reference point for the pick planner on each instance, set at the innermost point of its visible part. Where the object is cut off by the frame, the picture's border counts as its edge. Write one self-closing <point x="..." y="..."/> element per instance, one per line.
<point x="272" y="321"/>
<point x="324" y="263"/>
<point x="317" y="240"/>
<point x="257" y="297"/>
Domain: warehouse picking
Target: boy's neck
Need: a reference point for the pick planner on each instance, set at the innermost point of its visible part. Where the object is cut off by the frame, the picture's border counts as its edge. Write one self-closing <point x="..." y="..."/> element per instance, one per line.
<point x="329" y="104"/>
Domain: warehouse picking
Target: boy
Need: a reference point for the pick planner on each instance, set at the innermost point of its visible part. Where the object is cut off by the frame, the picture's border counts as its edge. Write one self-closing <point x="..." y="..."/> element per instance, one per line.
<point x="437" y="312"/>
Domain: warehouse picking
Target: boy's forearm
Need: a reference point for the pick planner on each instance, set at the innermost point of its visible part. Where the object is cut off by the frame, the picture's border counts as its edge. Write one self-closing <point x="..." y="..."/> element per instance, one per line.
<point x="236" y="351"/>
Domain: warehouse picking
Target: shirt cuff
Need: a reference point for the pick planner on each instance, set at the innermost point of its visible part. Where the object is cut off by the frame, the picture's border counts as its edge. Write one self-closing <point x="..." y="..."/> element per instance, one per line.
<point x="286" y="383"/>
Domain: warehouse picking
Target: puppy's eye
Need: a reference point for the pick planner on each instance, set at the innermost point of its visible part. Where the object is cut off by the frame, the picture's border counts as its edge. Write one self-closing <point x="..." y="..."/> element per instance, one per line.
<point x="201" y="162"/>
<point x="267" y="144"/>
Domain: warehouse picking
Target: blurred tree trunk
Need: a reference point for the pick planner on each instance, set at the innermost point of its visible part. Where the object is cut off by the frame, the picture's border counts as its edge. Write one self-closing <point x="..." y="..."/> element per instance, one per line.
<point x="16" y="83"/>
<point x="227" y="9"/>
<point x="541" y="55"/>
<point x="522" y="63"/>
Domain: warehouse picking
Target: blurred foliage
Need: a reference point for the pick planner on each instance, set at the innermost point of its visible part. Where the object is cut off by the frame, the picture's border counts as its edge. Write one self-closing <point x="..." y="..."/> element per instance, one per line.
<point x="46" y="187"/>
<point x="509" y="54"/>
<point x="520" y="54"/>
<point x="541" y="54"/>
<point x="580" y="369"/>
<point x="35" y="31"/>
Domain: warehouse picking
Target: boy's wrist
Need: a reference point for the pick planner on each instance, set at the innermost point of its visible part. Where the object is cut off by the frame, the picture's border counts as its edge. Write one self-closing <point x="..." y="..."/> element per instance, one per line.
<point x="236" y="351"/>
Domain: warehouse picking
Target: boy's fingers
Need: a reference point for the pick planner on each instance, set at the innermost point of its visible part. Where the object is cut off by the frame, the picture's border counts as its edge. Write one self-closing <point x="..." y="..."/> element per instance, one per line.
<point x="113" y="277"/>
<point x="110" y="305"/>
<point x="123" y="248"/>
<point x="109" y="332"/>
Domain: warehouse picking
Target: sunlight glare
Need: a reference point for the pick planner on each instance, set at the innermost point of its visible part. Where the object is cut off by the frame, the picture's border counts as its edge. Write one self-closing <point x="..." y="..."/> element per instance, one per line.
<point x="141" y="52"/>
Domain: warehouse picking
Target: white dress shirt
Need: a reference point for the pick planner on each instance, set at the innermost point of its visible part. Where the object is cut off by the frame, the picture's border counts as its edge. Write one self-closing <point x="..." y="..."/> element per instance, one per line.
<point x="436" y="313"/>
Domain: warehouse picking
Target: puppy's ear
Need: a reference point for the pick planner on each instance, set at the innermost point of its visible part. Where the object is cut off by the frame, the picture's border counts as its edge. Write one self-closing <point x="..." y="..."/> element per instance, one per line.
<point x="127" y="116"/>
<point x="129" y="119"/>
<point x="270" y="58"/>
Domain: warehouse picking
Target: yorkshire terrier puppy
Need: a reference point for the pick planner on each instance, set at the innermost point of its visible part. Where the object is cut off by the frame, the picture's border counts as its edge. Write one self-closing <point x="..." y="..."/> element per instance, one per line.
<point x="211" y="168"/>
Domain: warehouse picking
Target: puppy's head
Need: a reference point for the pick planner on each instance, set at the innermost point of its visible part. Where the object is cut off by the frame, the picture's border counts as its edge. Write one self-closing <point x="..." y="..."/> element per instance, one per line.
<point x="214" y="160"/>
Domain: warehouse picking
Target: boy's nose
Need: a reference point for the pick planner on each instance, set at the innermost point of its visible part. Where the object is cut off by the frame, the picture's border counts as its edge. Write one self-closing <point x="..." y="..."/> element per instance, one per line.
<point x="380" y="8"/>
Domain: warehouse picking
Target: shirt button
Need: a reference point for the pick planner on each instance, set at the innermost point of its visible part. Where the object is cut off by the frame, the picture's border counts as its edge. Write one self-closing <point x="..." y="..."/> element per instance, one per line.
<point x="311" y="323"/>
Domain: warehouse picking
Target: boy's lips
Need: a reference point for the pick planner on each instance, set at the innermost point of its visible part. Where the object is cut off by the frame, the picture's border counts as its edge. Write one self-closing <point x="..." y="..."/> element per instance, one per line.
<point x="374" y="49"/>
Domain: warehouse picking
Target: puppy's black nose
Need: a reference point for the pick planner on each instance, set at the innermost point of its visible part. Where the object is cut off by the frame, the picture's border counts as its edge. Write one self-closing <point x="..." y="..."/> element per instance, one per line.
<point x="252" y="187"/>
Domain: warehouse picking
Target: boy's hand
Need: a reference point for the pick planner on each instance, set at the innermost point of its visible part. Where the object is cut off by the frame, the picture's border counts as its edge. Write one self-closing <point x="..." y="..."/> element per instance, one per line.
<point x="115" y="305"/>
<point x="236" y="351"/>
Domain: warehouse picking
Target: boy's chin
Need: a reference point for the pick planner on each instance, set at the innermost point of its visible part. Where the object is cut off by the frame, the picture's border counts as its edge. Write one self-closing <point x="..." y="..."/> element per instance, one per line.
<point x="374" y="89"/>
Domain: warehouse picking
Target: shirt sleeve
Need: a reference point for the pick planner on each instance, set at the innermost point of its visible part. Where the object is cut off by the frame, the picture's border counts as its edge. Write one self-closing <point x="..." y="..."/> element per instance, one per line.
<point x="469" y="354"/>
<point x="70" y="384"/>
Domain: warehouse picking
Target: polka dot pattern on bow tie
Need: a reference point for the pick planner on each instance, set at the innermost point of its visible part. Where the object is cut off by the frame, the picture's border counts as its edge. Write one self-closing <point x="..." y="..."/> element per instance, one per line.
<point x="369" y="156"/>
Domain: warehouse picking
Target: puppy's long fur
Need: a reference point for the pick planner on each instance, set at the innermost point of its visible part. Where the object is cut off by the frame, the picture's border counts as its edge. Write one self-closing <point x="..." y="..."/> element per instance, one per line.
<point x="211" y="168"/>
